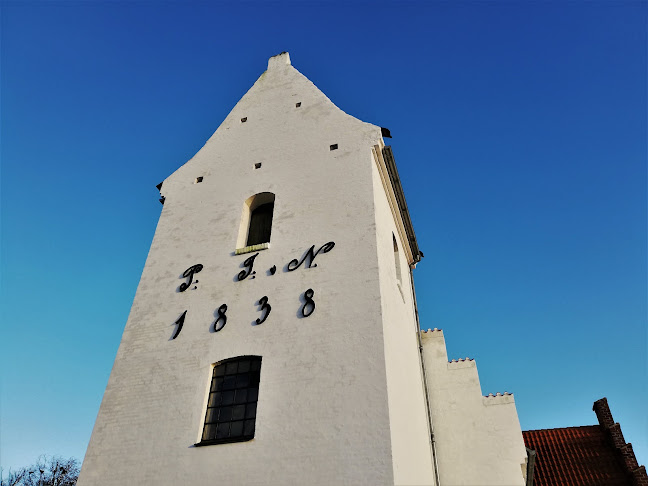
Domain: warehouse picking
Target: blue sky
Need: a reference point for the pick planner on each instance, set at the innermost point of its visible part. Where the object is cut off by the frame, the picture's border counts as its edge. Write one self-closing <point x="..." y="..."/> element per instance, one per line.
<point x="519" y="133"/>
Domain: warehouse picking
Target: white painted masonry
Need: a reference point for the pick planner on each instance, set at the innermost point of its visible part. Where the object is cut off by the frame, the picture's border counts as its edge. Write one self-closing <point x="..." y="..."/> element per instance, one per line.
<point x="479" y="440"/>
<point x="342" y="396"/>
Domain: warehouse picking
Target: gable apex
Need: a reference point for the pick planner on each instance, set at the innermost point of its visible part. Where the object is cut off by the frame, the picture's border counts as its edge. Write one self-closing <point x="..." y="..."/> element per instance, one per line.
<point x="262" y="121"/>
<point x="281" y="59"/>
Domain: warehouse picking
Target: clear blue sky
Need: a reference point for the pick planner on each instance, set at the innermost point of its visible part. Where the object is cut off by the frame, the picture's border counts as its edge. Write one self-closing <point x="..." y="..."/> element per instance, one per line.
<point x="520" y="136"/>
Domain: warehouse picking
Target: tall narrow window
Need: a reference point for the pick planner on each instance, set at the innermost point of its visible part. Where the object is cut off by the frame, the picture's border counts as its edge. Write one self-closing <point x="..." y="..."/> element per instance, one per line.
<point x="260" y="224"/>
<point x="256" y="221"/>
<point x="397" y="260"/>
<point x="231" y="409"/>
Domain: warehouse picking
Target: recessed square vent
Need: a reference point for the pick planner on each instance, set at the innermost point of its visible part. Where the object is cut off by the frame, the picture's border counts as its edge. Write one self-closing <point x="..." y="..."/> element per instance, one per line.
<point x="297" y="105"/>
<point x="257" y="165"/>
<point x="334" y="146"/>
<point x="199" y="180"/>
<point x="244" y="119"/>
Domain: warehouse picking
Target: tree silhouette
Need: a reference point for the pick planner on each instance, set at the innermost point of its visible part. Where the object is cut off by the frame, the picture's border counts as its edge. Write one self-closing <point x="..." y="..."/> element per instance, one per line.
<point x="47" y="471"/>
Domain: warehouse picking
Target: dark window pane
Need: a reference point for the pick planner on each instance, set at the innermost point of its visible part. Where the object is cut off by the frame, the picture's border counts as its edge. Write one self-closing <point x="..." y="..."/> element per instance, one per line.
<point x="209" y="431"/>
<point x="255" y="365"/>
<point x="248" y="428"/>
<point x="229" y="382"/>
<point x="219" y="370"/>
<point x="244" y="366"/>
<point x="250" y="410"/>
<point x="212" y="415"/>
<point x="223" y="430"/>
<point x="260" y="224"/>
<point x="254" y="380"/>
<point x="214" y="399"/>
<point x="230" y="368"/>
<point x="228" y="398"/>
<point x="238" y="412"/>
<point x="237" y="429"/>
<point x="217" y="384"/>
<point x="243" y="381"/>
<point x="241" y="396"/>
<point x="252" y="394"/>
<point x="225" y="414"/>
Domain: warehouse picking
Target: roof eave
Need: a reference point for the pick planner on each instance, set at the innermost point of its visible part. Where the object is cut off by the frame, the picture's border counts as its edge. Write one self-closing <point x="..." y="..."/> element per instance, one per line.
<point x="390" y="163"/>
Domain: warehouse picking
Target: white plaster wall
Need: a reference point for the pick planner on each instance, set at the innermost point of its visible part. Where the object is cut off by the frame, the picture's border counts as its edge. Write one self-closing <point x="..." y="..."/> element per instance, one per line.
<point x="479" y="439"/>
<point x="411" y="447"/>
<point x="325" y="397"/>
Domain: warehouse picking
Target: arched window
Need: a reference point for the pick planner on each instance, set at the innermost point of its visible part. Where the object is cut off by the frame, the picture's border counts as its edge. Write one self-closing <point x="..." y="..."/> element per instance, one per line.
<point x="232" y="403"/>
<point x="256" y="221"/>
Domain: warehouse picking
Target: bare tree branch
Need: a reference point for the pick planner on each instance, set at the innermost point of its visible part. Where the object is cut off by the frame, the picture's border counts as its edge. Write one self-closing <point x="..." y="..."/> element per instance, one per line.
<point x="48" y="471"/>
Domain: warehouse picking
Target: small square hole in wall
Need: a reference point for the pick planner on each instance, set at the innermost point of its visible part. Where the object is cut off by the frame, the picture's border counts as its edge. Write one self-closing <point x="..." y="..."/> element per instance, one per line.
<point x="297" y="105"/>
<point x="257" y="165"/>
<point x="199" y="179"/>
<point x="334" y="146"/>
<point x="243" y="120"/>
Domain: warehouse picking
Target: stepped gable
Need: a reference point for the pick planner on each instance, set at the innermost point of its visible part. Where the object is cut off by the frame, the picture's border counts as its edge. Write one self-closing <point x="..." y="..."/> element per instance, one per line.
<point x="590" y="455"/>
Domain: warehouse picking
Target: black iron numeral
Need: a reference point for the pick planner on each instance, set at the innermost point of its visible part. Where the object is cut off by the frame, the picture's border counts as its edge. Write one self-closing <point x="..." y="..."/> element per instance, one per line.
<point x="309" y="304"/>
<point x="180" y="323"/>
<point x="189" y="273"/>
<point x="265" y="307"/>
<point x="221" y="318"/>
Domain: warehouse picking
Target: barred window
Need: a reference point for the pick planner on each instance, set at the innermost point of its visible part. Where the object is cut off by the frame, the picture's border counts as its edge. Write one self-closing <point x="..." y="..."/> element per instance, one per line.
<point x="231" y="408"/>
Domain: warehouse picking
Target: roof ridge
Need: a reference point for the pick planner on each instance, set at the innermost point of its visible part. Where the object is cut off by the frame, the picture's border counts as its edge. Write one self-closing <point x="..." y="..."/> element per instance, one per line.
<point x="563" y="428"/>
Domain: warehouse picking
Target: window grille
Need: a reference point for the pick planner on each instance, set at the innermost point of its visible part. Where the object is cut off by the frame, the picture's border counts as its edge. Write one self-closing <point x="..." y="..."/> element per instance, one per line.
<point x="232" y="404"/>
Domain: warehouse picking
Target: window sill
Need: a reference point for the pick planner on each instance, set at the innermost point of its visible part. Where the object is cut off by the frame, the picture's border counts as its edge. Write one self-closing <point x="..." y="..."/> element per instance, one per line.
<point x="244" y="438"/>
<point x="250" y="249"/>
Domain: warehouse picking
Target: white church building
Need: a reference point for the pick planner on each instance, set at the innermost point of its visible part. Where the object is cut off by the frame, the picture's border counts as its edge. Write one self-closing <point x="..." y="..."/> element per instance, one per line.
<point x="274" y="336"/>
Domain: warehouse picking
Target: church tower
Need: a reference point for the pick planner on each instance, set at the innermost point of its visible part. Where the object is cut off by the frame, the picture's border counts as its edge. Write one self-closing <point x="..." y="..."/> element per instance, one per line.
<point x="274" y="337"/>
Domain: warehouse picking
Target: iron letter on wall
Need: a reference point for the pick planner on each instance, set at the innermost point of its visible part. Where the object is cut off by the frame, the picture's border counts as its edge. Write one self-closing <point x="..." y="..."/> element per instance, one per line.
<point x="310" y="256"/>
<point x="248" y="264"/>
<point x="189" y="273"/>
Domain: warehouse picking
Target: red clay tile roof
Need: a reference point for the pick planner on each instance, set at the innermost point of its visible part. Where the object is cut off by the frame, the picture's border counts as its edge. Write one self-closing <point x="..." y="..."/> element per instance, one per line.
<point x="576" y="456"/>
